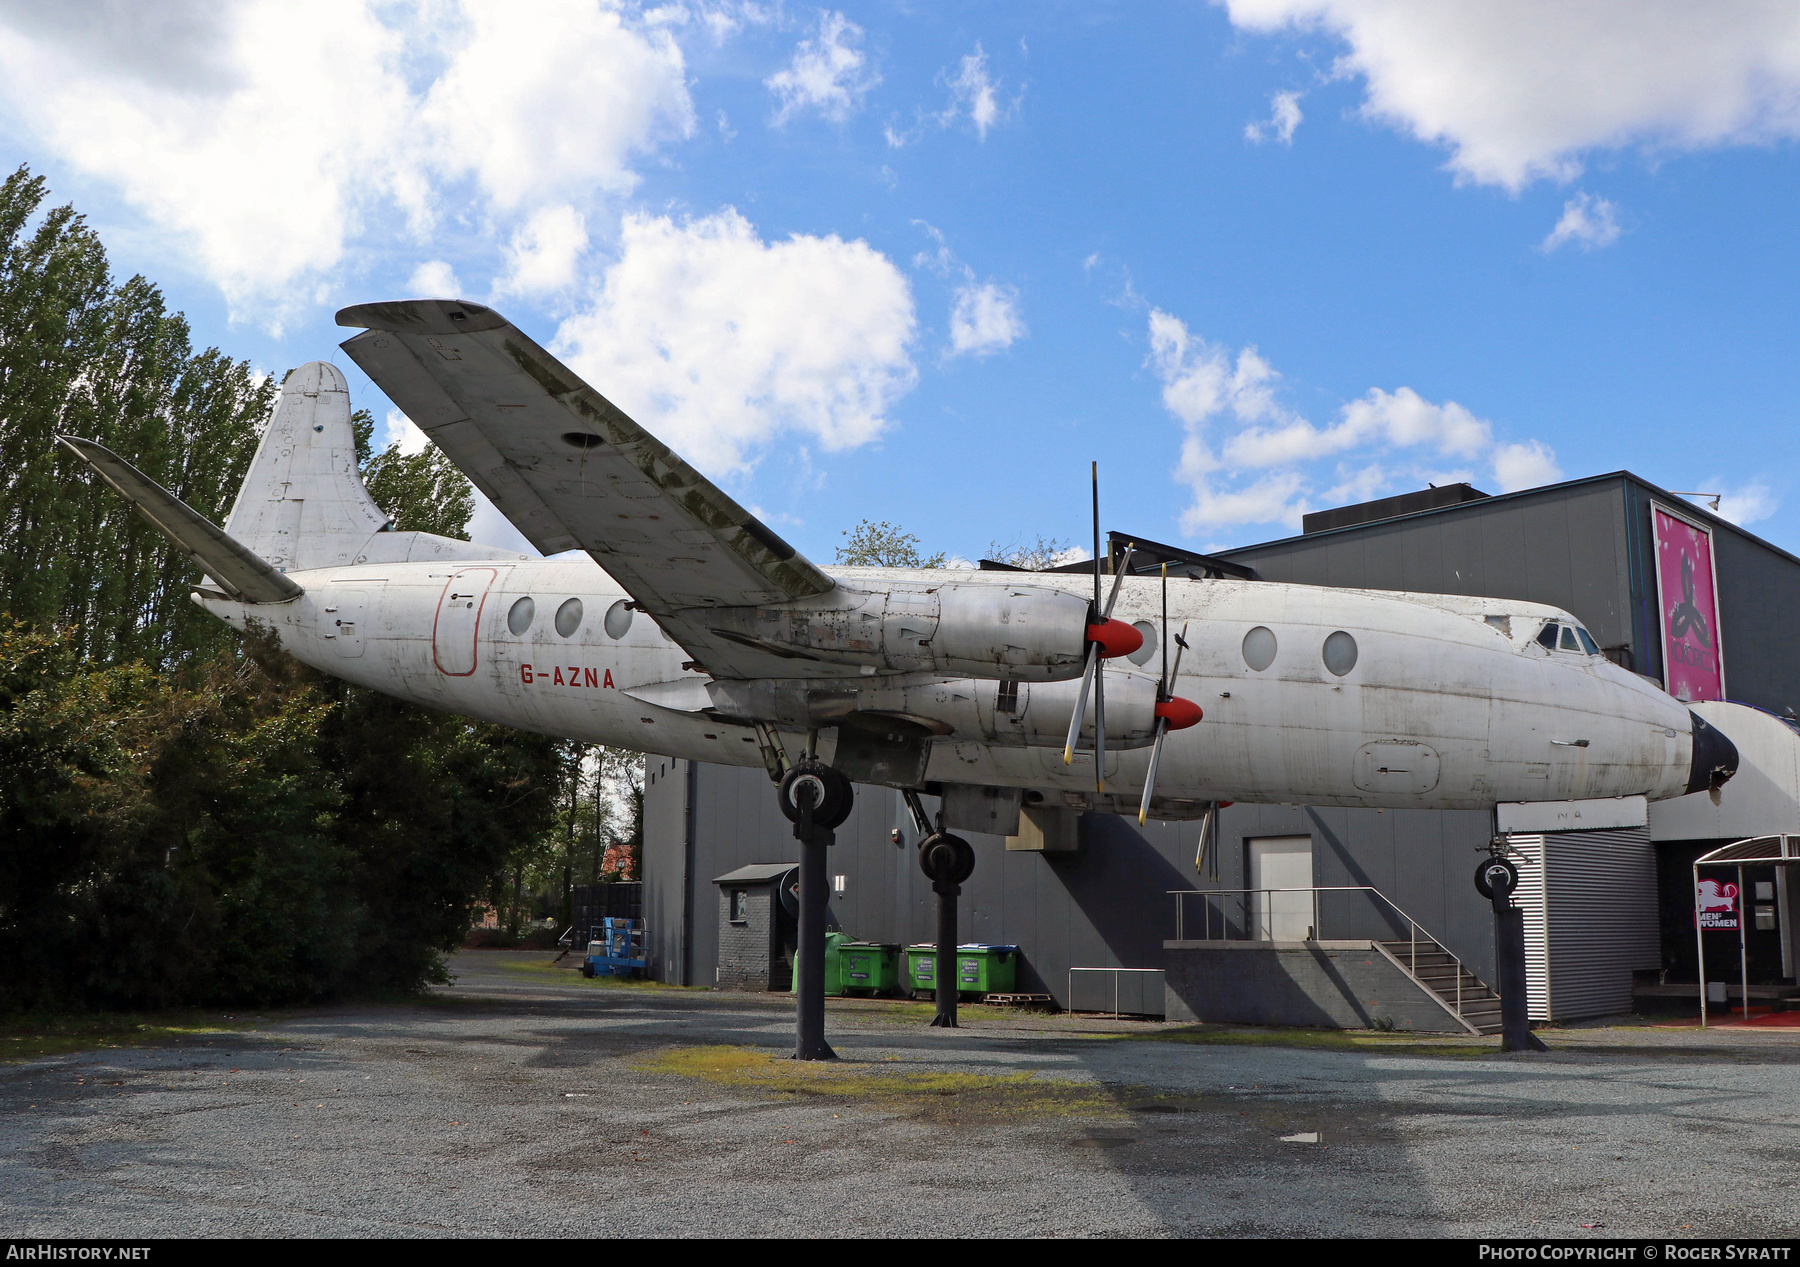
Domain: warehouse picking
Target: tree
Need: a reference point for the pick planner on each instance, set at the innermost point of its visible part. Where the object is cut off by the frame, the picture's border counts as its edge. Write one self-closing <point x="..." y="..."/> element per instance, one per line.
<point x="884" y="545"/>
<point x="188" y="814"/>
<point x="81" y="356"/>
<point x="1044" y="552"/>
<point x="423" y="491"/>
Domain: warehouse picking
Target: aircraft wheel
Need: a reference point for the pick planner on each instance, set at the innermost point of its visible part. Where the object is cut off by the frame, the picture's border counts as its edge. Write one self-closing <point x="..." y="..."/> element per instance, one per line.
<point x="946" y="859"/>
<point x="1490" y="867"/>
<point x="832" y="794"/>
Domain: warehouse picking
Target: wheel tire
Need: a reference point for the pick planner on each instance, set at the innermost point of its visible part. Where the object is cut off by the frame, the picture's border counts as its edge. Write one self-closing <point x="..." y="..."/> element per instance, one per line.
<point x="833" y="795"/>
<point x="587" y="970"/>
<point x="946" y="859"/>
<point x="1481" y="877"/>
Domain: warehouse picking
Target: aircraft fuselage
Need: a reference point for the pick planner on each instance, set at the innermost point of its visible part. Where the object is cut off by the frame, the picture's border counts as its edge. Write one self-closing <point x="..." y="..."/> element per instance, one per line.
<point x="1447" y="703"/>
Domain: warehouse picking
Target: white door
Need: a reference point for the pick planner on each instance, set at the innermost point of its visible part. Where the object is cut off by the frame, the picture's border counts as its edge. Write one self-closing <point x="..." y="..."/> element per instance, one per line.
<point x="458" y="625"/>
<point x="1278" y="863"/>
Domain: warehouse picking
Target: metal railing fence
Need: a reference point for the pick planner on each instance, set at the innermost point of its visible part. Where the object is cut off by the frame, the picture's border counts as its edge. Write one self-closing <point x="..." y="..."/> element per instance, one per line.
<point x="1117" y="974"/>
<point x="1257" y="914"/>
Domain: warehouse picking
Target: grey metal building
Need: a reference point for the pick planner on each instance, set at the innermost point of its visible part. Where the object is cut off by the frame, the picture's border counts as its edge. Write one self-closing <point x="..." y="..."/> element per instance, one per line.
<point x="1585" y="545"/>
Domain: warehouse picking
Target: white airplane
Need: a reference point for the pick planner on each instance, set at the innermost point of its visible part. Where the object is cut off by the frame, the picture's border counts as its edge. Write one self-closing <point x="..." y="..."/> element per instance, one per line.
<point x="688" y="628"/>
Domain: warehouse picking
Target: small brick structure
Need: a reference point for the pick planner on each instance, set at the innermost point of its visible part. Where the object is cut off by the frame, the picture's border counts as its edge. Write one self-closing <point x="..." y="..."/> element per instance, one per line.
<point x="756" y="933"/>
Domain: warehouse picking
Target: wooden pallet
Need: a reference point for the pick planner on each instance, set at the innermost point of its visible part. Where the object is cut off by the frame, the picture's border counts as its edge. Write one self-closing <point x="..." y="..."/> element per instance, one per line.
<point x="1017" y="1000"/>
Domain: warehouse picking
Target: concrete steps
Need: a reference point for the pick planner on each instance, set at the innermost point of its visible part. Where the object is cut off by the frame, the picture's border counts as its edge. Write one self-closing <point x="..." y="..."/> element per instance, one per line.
<point x="1439" y="972"/>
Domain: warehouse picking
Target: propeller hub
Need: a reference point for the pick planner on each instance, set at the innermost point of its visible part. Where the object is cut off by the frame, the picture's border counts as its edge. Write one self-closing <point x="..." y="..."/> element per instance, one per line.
<point x="1179" y="713"/>
<point x="1116" y="638"/>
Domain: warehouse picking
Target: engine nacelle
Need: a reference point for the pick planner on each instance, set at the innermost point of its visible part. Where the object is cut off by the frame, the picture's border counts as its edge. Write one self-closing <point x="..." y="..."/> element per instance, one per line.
<point x="1014" y="632"/>
<point x="1011" y="713"/>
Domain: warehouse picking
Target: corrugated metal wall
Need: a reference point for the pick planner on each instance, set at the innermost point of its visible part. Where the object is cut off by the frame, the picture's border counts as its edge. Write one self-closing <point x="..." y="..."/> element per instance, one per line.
<point x="1590" y="906"/>
<point x="1528" y="856"/>
<point x="1602" y="918"/>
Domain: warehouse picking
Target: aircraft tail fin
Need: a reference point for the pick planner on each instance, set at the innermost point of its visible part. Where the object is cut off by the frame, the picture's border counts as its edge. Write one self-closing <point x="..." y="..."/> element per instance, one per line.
<point x="303" y="504"/>
<point x="237" y="570"/>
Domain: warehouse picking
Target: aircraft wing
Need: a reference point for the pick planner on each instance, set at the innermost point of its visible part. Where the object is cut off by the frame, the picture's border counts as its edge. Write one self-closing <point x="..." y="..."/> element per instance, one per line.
<point x="570" y="470"/>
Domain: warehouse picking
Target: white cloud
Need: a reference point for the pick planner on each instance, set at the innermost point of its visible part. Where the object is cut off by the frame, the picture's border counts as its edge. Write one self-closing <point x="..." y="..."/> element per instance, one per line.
<point x="398" y="429"/>
<point x="268" y="138"/>
<point x="1284" y="117"/>
<point x="1524" y="90"/>
<point x="1525" y="465"/>
<point x="1747" y="504"/>
<point x="720" y="342"/>
<point x="1587" y="221"/>
<point x="985" y="319"/>
<point x="826" y="74"/>
<point x="1250" y="460"/>
<point x="545" y="252"/>
<point x="973" y="95"/>
<point x="434" y="279"/>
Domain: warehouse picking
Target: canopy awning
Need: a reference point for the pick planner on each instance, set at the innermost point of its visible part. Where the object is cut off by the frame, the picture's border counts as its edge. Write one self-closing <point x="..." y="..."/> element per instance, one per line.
<point x="1758" y="851"/>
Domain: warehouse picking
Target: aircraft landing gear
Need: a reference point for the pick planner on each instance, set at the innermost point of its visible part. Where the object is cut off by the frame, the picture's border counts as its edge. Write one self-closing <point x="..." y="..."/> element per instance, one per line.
<point x="947" y="861"/>
<point x="816" y="799"/>
<point x="1496" y="879"/>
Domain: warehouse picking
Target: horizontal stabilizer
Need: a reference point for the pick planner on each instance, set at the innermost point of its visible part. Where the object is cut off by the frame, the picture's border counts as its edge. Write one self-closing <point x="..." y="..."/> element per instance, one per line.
<point x="238" y="572"/>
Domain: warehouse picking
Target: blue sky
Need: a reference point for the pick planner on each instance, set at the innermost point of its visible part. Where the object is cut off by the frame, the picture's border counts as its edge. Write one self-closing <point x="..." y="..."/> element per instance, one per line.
<point x="923" y="264"/>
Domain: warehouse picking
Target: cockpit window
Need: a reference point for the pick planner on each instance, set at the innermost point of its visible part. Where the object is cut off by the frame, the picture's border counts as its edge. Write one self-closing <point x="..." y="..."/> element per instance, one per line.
<point x="1568" y="638"/>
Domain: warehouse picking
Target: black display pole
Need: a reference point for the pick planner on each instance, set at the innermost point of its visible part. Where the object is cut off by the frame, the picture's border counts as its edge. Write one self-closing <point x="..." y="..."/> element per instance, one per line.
<point x="946" y="953"/>
<point x="814" y="840"/>
<point x="1497" y="879"/>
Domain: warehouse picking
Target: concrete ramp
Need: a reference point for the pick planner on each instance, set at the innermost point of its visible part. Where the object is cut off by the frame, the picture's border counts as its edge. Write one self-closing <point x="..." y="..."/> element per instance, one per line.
<point x="1317" y="984"/>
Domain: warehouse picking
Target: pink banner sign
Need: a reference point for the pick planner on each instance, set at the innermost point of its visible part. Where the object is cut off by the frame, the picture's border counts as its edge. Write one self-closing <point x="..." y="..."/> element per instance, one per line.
<point x="1693" y="667"/>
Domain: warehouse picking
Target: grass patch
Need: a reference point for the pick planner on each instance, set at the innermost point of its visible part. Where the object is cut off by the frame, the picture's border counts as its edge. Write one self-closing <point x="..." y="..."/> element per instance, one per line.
<point x="31" y="1036"/>
<point x="1364" y="1041"/>
<point x="545" y="968"/>
<point x="935" y="1093"/>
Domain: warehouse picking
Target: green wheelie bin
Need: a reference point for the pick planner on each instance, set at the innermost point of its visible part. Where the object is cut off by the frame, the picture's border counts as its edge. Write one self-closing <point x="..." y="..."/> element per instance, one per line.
<point x="834" y="965"/>
<point x="869" y="967"/>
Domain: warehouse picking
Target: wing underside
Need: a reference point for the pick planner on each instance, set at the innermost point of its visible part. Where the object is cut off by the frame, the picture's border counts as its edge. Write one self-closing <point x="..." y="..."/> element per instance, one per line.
<point x="571" y="470"/>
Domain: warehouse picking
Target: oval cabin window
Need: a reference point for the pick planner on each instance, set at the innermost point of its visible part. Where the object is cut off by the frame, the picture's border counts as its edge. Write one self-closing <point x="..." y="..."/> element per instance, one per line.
<point x="519" y="616"/>
<point x="568" y="617"/>
<point x="1144" y="654"/>
<point x="618" y="619"/>
<point x="1340" y="653"/>
<point x="1259" y="648"/>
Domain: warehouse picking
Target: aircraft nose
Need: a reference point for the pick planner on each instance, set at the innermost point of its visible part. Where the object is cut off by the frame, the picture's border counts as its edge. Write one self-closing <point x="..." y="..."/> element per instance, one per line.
<point x="1715" y="757"/>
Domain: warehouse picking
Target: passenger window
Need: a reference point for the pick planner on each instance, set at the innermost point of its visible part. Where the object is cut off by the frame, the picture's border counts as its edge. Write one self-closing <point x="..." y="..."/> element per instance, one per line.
<point x="1548" y="637"/>
<point x="1569" y="641"/>
<point x="1587" y="642"/>
<point x="518" y="620"/>
<point x="568" y="618"/>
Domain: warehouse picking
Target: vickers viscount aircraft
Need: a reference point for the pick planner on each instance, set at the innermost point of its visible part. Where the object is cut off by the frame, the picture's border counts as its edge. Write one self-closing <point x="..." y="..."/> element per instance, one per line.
<point x="688" y="628"/>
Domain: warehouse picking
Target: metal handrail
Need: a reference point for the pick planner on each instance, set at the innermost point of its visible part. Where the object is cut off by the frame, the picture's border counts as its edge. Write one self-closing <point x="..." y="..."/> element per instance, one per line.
<point x="1414" y="928"/>
<point x="1115" y="972"/>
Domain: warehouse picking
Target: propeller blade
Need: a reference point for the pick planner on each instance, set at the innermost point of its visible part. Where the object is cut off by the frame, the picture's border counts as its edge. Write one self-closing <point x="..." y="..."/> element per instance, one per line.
<point x="1087" y="680"/>
<point x="1162" y="729"/>
<point x="1118" y="579"/>
<point x="1100" y="725"/>
<point x="1163" y="686"/>
<point x="1171" y="714"/>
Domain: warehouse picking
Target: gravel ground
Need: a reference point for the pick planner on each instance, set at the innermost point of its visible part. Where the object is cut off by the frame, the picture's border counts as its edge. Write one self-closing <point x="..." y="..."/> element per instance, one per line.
<point x="523" y="1102"/>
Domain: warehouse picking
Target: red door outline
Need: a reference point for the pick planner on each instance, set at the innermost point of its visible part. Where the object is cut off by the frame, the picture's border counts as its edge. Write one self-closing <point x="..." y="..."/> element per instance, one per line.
<point x="493" y="574"/>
